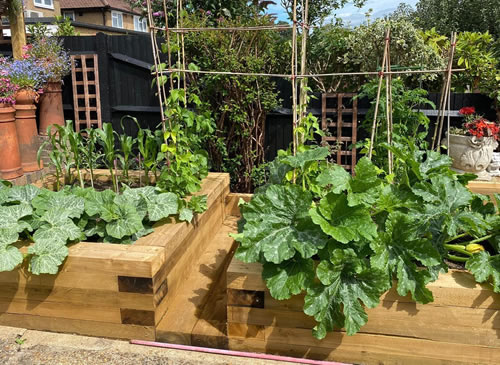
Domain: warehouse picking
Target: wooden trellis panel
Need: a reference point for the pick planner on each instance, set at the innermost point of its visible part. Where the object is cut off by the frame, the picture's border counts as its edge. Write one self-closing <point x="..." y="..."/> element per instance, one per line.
<point x="340" y="125"/>
<point x="86" y="95"/>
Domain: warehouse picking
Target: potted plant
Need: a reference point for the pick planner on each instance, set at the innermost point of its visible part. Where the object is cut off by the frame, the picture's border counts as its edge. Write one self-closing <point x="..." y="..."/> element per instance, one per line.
<point x="55" y="60"/>
<point x="471" y="147"/>
<point x="29" y="75"/>
<point x="10" y="159"/>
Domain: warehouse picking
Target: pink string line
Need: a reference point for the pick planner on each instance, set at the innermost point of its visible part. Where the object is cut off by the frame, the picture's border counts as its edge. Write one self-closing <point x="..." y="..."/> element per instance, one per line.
<point x="250" y="355"/>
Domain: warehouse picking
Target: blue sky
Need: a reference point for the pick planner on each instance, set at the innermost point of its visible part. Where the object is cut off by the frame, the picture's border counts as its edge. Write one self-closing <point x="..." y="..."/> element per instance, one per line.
<point x="351" y="14"/>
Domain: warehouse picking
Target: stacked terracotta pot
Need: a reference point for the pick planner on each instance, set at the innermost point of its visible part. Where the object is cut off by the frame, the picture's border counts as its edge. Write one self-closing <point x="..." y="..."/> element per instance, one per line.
<point x="18" y="129"/>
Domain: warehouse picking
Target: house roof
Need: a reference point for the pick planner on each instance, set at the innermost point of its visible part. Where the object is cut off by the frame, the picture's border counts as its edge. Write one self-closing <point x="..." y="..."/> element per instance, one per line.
<point x="93" y="4"/>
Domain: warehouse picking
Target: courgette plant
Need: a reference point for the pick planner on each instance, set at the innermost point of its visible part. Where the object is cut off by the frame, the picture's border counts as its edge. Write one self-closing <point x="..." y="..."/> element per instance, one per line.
<point x="342" y="240"/>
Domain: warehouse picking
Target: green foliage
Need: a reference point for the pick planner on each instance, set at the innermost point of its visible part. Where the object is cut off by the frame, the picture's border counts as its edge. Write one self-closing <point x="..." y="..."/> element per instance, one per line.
<point x="365" y="47"/>
<point x="327" y="46"/>
<point x="318" y="10"/>
<point x="458" y="16"/>
<point x="342" y="240"/>
<point x="475" y="53"/>
<point x="54" y="219"/>
<point x="239" y="104"/>
<point x="407" y="121"/>
<point x="64" y="27"/>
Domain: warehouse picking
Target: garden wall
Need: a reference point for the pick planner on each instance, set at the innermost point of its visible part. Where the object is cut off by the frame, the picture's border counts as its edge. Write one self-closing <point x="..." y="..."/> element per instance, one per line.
<point x="461" y="326"/>
<point x="111" y="290"/>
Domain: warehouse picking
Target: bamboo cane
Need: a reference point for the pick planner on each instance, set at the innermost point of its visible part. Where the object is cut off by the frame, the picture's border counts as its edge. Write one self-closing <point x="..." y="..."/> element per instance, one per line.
<point x="381" y="78"/>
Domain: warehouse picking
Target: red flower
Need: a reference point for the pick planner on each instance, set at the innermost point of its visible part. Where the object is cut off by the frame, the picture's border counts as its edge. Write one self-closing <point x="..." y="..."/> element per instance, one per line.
<point x="483" y="128"/>
<point x="468" y="110"/>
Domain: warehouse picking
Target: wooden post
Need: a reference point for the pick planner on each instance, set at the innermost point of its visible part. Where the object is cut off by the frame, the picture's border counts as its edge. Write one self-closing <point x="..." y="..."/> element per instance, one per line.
<point x="17" y="28"/>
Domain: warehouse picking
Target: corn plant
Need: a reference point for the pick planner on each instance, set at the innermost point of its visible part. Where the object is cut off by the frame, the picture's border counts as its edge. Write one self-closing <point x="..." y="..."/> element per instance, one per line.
<point x="56" y="156"/>
<point x="89" y="152"/>
<point x="74" y="141"/>
<point x="126" y="146"/>
<point x="106" y="137"/>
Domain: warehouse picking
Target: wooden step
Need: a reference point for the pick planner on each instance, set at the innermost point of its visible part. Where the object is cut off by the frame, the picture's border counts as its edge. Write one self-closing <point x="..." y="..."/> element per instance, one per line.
<point x="197" y="313"/>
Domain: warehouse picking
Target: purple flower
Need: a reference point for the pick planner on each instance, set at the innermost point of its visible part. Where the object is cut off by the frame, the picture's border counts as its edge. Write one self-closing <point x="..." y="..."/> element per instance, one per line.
<point x="158" y="13"/>
<point x="209" y="12"/>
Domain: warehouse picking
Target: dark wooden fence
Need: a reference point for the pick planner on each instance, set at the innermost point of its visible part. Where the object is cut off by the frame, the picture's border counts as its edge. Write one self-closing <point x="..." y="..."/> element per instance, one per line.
<point x="125" y="83"/>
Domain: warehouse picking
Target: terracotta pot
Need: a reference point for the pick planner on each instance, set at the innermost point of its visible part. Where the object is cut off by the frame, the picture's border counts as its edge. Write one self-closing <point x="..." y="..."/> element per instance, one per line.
<point x="51" y="107"/>
<point x="10" y="158"/>
<point x="471" y="154"/>
<point x="26" y="129"/>
<point x="26" y="97"/>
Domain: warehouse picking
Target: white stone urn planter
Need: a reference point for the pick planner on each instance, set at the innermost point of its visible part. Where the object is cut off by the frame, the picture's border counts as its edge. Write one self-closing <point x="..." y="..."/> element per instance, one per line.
<point x="494" y="168"/>
<point x="471" y="154"/>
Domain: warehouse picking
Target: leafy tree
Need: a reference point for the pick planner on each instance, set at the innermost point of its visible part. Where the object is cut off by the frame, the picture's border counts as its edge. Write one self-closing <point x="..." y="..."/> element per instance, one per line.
<point x="365" y="47"/>
<point x="318" y="9"/>
<point x="459" y="15"/>
<point x="327" y="46"/>
<point x="239" y="104"/>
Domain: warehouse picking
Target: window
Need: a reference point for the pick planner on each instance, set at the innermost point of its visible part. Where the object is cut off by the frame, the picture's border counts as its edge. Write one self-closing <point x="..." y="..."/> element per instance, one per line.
<point x="117" y="19"/>
<point x="69" y="15"/>
<point x="33" y="14"/>
<point x="140" y="25"/>
<point x="49" y="4"/>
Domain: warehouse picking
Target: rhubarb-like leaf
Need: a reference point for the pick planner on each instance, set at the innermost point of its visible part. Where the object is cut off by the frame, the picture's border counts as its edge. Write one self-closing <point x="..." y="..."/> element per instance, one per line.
<point x="277" y="226"/>
<point x="341" y="221"/>
<point x="23" y="194"/>
<point x="310" y="155"/>
<point x="10" y="217"/>
<point x="186" y="214"/>
<point x="47" y="257"/>
<point x="288" y="278"/>
<point x="57" y="228"/>
<point x="68" y="205"/>
<point x="396" y="251"/>
<point x="162" y="206"/>
<point x="336" y="177"/>
<point x="485" y="267"/>
<point x="10" y="257"/>
<point x="337" y="302"/>
<point x="122" y="218"/>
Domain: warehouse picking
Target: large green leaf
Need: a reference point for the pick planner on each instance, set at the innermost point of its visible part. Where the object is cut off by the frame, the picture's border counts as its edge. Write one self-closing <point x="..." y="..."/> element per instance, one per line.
<point x="445" y="201"/>
<point x="337" y="301"/>
<point x="57" y="228"/>
<point x="288" y="278"/>
<point x="162" y="206"/>
<point x="341" y="221"/>
<point x="122" y="218"/>
<point x="396" y="251"/>
<point x="311" y="155"/>
<point x="10" y="217"/>
<point x="485" y="267"/>
<point x="97" y="201"/>
<point x="23" y="194"/>
<point x="67" y="204"/>
<point x="277" y="226"/>
<point x="10" y="257"/>
<point x="47" y="257"/>
<point x="336" y="177"/>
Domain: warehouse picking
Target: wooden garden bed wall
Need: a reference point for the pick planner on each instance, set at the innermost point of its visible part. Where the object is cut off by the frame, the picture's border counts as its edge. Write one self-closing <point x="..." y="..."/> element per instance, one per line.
<point x="462" y="326"/>
<point x="110" y="290"/>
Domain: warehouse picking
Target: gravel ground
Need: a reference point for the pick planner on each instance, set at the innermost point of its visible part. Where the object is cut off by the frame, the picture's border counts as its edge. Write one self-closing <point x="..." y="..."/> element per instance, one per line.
<point x="27" y="347"/>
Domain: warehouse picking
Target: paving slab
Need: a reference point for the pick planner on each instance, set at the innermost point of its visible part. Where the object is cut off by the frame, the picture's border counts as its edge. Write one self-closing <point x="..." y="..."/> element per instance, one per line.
<point x="27" y="347"/>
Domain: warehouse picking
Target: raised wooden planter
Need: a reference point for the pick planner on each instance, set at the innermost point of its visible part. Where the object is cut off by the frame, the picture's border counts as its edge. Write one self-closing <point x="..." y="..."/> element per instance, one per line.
<point x="111" y="290"/>
<point x="461" y="326"/>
